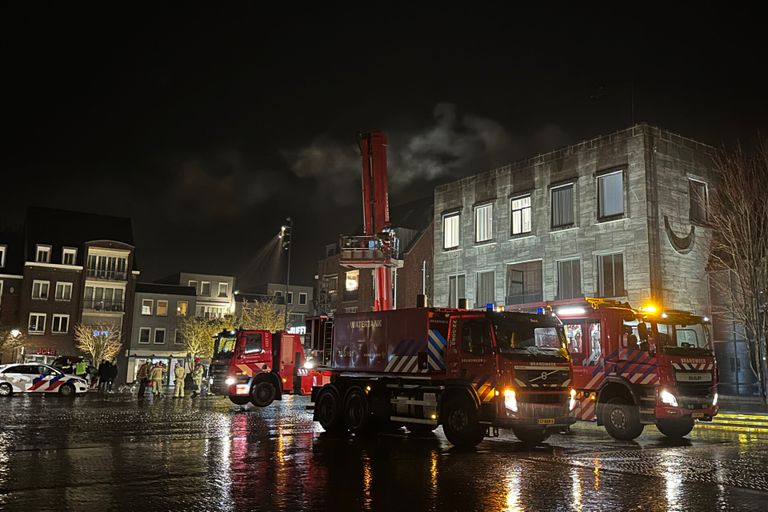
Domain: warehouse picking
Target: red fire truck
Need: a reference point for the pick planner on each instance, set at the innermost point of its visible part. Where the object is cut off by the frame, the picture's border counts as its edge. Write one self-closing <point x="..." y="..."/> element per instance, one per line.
<point x="472" y="372"/>
<point x="638" y="367"/>
<point x="259" y="366"/>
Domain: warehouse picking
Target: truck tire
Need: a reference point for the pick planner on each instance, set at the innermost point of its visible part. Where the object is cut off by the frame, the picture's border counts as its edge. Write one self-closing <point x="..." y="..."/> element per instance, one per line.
<point x="622" y="420"/>
<point x="531" y="436"/>
<point x="263" y="393"/>
<point x="357" y="413"/>
<point x="328" y="410"/>
<point x="675" y="428"/>
<point x="239" y="400"/>
<point x="461" y="423"/>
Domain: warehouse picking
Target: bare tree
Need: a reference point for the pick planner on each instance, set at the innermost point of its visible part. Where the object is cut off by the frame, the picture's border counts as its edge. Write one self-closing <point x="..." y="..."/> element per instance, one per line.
<point x="264" y="315"/>
<point x="739" y="218"/>
<point x="101" y="341"/>
<point x="198" y="334"/>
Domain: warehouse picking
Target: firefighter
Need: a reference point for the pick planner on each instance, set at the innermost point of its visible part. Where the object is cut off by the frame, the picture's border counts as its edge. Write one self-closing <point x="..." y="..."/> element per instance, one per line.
<point x="197" y="377"/>
<point x="179" y="373"/>
<point x="143" y="376"/>
<point x="156" y="376"/>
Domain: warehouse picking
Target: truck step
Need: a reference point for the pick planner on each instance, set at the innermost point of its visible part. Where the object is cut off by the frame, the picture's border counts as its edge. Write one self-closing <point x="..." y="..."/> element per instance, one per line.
<point x="406" y="419"/>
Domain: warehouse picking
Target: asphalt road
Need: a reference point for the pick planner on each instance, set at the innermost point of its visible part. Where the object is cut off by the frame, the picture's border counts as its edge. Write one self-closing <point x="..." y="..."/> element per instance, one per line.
<point x="113" y="453"/>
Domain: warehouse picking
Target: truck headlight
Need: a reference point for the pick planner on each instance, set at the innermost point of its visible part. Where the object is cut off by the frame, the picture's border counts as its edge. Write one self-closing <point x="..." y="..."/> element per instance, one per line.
<point x="230" y="381"/>
<point x="572" y="401"/>
<point x="309" y="365"/>
<point x="667" y="398"/>
<point x="510" y="399"/>
<point x="714" y="400"/>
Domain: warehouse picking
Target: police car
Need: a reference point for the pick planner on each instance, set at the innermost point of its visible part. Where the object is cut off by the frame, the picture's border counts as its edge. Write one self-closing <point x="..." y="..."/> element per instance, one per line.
<point x="38" y="378"/>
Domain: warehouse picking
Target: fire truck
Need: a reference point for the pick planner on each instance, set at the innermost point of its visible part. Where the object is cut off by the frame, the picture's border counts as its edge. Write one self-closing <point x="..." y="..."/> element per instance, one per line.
<point x="638" y="367"/>
<point x="259" y="366"/>
<point x="471" y="371"/>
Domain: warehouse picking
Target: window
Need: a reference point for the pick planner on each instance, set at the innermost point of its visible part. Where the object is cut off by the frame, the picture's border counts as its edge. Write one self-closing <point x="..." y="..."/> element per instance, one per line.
<point x="562" y="206"/>
<point x="593" y="348"/>
<point x="223" y="289"/>
<point x="162" y="308"/>
<point x="568" y="279"/>
<point x="451" y="231"/>
<point x="60" y="324"/>
<point x="1" y="291"/>
<point x="3" y="250"/>
<point x="63" y="291"/>
<point x="697" y="209"/>
<point x="193" y="284"/>
<point x="610" y="195"/>
<point x="68" y="256"/>
<point x="205" y="289"/>
<point x="178" y="339"/>
<point x="330" y="287"/>
<point x="181" y="308"/>
<point x="253" y="343"/>
<point x="521" y="215"/>
<point x="351" y="284"/>
<point x="159" y="336"/>
<point x="610" y="275"/>
<point x="144" y="334"/>
<point x="476" y="337"/>
<point x="302" y="299"/>
<point x="43" y="254"/>
<point x="40" y="289"/>
<point x="290" y="297"/>
<point x="484" y="223"/>
<point x="102" y="298"/>
<point x="486" y="291"/>
<point x="212" y="312"/>
<point x="524" y="283"/>
<point x="456" y="290"/>
<point x="104" y="266"/>
<point x="36" y="323"/>
<point x="146" y="306"/>
<point x="574" y="339"/>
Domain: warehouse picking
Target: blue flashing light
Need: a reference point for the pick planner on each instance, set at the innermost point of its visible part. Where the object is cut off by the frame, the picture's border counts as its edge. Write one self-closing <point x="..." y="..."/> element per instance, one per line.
<point x="540" y="311"/>
<point x="489" y="306"/>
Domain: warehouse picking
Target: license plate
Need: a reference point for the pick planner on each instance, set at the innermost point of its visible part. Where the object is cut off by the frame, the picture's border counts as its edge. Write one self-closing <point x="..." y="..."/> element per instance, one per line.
<point x="546" y="421"/>
<point x="697" y="415"/>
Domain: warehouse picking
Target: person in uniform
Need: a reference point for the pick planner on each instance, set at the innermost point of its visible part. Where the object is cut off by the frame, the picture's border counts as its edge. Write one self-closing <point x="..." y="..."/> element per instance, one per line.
<point x="179" y="373"/>
<point x="156" y="376"/>
<point x="143" y="376"/>
<point x="197" y="377"/>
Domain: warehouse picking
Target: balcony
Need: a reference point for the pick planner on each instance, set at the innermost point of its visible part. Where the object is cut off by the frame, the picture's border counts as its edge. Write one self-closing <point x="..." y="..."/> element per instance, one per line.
<point x="110" y="275"/>
<point x="103" y="305"/>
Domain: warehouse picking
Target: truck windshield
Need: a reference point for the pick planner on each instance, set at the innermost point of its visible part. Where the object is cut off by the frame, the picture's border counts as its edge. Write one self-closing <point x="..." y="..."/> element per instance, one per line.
<point x="683" y="339"/>
<point x="525" y="336"/>
<point x="225" y="347"/>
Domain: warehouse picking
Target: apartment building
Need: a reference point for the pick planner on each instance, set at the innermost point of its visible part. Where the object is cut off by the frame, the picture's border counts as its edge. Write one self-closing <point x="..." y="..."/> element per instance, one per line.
<point x="215" y="293"/>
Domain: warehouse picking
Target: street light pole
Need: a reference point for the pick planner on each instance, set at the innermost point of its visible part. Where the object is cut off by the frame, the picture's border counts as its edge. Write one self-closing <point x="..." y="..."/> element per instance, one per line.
<point x="286" y="235"/>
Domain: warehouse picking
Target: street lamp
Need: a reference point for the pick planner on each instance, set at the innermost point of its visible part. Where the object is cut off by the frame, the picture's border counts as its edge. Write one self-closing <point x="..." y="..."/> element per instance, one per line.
<point x="15" y="333"/>
<point x="286" y="232"/>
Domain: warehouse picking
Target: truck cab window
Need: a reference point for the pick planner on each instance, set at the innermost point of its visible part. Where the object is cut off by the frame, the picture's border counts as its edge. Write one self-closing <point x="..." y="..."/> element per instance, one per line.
<point x="253" y="343"/>
<point x="475" y="337"/>
<point x="574" y="335"/>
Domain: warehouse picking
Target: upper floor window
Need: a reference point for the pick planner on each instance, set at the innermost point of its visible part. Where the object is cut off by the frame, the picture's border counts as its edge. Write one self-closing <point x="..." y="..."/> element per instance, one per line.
<point x="562" y="206"/>
<point x="68" y="256"/>
<point x="223" y="289"/>
<point x="60" y="324"/>
<point x="181" y="308"/>
<point x="3" y="250"/>
<point x="193" y="284"/>
<point x="104" y="266"/>
<point x="451" y="230"/>
<point x="610" y="195"/>
<point x="144" y="334"/>
<point x="205" y="289"/>
<point x="568" y="279"/>
<point x="178" y="338"/>
<point x="610" y="275"/>
<point x="521" y="215"/>
<point x="302" y="298"/>
<point x="146" y="306"/>
<point x="43" y="254"/>
<point x="36" y="323"/>
<point x="352" y="283"/>
<point x="524" y="283"/>
<point x="484" y="223"/>
<point x="330" y="286"/>
<point x="159" y="336"/>
<point x="40" y="289"/>
<point x="697" y="208"/>
<point x="63" y="291"/>
<point x="456" y="290"/>
<point x="162" y="308"/>
<point x="486" y="289"/>
<point x="290" y="297"/>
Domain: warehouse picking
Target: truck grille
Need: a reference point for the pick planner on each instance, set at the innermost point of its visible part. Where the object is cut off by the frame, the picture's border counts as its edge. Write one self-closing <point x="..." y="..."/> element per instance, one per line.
<point x="544" y="377"/>
<point x="543" y="398"/>
<point x="695" y="396"/>
<point x="218" y="374"/>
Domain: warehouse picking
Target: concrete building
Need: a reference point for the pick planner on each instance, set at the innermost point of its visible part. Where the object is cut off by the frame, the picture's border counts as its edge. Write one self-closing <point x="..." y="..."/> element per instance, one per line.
<point x="215" y="293"/>
<point x="621" y="216"/>
<point x="155" y="336"/>
<point x="76" y="268"/>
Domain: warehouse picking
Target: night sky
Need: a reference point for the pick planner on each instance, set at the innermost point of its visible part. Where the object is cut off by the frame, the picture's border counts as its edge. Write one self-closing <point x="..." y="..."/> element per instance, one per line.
<point x="208" y="126"/>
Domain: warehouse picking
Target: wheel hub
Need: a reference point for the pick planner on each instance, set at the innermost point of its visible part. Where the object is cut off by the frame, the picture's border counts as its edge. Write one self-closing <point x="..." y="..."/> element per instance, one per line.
<point x="618" y="418"/>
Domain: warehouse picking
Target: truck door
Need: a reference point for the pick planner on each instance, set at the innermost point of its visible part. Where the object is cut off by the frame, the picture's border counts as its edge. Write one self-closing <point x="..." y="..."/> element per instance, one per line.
<point x="475" y="355"/>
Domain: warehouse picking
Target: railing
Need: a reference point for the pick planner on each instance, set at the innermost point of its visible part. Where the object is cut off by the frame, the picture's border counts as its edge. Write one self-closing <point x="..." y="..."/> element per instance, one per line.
<point x="112" y="275"/>
<point x="359" y="251"/>
<point x="103" y="305"/>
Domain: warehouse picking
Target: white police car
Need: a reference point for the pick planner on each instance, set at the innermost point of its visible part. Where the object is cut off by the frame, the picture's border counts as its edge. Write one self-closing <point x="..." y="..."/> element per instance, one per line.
<point x="38" y="378"/>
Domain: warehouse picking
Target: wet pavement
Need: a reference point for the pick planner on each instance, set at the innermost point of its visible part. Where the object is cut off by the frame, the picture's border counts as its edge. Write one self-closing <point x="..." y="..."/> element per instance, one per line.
<point x="113" y="453"/>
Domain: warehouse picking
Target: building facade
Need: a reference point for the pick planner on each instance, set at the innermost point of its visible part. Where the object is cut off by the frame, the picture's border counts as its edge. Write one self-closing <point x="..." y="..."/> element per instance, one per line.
<point x="156" y="337"/>
<point x="215" y="293"/>
<point x="299" y="301"/>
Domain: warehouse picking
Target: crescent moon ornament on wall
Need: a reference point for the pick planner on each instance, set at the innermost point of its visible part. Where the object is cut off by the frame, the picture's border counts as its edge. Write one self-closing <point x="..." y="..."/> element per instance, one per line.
<point x="683" y="245"/>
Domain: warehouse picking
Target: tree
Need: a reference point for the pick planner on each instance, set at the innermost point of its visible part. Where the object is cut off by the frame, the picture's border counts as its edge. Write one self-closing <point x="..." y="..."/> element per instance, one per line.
<point x="264" y="315"/>
<point x="198" y="334"/>
<point x="101" y="341"/>
<point x="739" y="219"/>
<point x="9" y="341"/>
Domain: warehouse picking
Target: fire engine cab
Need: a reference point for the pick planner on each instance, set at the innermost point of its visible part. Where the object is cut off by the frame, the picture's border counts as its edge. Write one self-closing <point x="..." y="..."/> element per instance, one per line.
<point x="637" y="367"/>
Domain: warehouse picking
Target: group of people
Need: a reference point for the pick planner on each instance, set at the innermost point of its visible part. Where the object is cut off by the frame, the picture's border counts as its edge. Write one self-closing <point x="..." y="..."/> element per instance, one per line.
<point x="154" y="376"/>
<point x="102" y="377"/>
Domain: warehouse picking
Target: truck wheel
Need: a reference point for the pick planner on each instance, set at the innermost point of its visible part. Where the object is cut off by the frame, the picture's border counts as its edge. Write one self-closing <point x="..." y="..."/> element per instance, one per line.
<point x="420" y="428"/>
<point x="263" y="393"/>
<point x="622" y="420"/>
<point x="531" y="436"/>
<point x="357" y="414"/>
<point x="239" y="400"/>
<point x="675" y="428"/>
<point x="328" y="411"/>
<point x="461" y="423"/>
